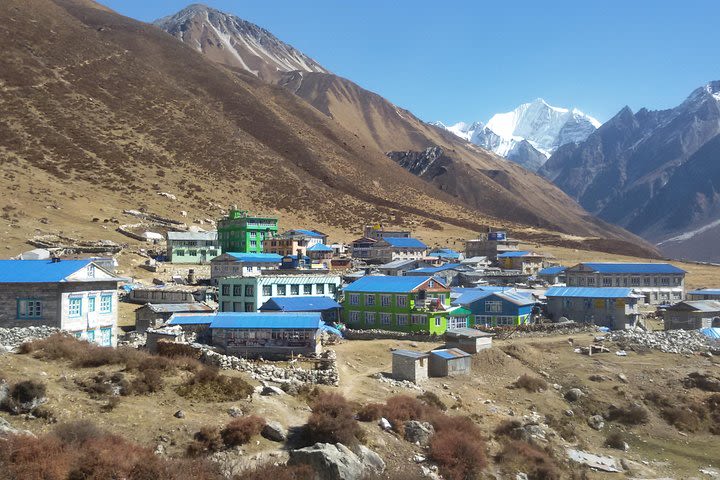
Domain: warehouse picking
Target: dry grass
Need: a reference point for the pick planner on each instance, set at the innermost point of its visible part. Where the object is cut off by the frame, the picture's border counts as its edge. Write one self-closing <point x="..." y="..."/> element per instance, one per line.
<point x="536" y="463"/>
<point x="209" y="385"/>
<point x="530" y="383"/>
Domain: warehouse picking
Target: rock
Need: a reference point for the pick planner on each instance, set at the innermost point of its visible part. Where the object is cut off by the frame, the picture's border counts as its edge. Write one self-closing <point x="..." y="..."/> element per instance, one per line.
<point x="179" y="414"/>
<point x="596" y="422"/>
<point x="271" y="390"/>
<point x="521" y="476"/>
<point x="574" y="394"/>
<point x="4" y="389"/>
<point x="160" y="449"/>
<point x="235" y="412"/>
<point x="331" y="462"/>
<point x="384" y="424"/>
<point x="569" y="413"/>
<point x="372" y="462"/>
<point x="418" y="433"/>
<point x="274" y="431"/>
<point x="7" y="429"/>
<point x="417" y="458"/>
<point x="622" y="377"/>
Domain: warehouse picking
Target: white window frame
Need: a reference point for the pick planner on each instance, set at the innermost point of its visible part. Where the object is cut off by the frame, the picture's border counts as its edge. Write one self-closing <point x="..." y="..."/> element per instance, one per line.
<point x="370" y="318"/>
<point x="401" y="301"/>
<point x="493" y="306"/>
<point x="385" y="319"/>
<point x="370" y="299"/>
<point x="354" y="299"/>
<point x="385" y="300"/>
<point x="401" y="319"/>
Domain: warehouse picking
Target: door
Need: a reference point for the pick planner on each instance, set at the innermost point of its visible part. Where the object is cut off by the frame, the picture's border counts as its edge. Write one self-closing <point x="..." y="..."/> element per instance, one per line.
<point x="106" y="337"/>
<point x="91" y="335"/>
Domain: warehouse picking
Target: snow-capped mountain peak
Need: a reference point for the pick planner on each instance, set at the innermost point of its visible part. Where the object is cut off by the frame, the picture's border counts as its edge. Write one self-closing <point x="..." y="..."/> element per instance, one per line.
<point x="542" y="126"/>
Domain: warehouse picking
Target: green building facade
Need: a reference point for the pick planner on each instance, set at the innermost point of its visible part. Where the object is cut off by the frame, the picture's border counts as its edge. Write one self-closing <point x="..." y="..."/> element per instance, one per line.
<point x="242" y="233"/>
<point x="407" y="304"/>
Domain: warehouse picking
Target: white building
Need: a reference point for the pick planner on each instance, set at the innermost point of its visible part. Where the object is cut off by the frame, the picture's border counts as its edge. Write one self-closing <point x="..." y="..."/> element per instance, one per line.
<point x="242" y="265"/>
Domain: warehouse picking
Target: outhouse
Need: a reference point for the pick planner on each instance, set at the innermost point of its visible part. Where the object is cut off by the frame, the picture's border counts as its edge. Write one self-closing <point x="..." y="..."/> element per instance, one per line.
<point x="449" y="362"/>
<point x="468" y="340"/>
<point x="409" y="365"/>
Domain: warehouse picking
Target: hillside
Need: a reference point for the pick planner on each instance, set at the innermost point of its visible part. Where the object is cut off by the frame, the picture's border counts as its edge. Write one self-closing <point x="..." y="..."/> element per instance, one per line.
<point x="652" y="172"/>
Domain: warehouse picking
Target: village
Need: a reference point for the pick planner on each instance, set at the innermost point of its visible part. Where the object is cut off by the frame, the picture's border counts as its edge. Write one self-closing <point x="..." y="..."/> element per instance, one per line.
<point x="292" y="308"/>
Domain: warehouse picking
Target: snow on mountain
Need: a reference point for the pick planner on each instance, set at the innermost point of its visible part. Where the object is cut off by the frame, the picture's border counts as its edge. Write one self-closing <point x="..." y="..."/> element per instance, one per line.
<point x="543" y="127"/>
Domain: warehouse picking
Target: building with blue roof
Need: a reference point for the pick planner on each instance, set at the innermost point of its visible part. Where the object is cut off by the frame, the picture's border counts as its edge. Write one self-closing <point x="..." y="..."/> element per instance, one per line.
<point x="552" y="275"/>
<point x="267" y="335"/>
<point x="408" y="304"/>
<point x="320" y="254"/>
<point x="658" y="283"/>
<point x="326" y="306"/>
<point x="77" y="296"/>
<point x="242" y="264"/>
<point x="448" y="272"/>
<point x="447" y="254"/>
<point x="704" y="294"/>
<point x="692" y="315"/>
<point x="497" y="308"/>
<point x="388" y="249"/>
<point x="612" y="307"/>
<point x="449" y="362"/>
<point x="528" y="263"/>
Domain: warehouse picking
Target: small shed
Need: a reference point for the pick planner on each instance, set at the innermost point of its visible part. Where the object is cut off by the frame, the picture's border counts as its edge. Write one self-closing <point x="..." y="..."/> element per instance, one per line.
<point x="409" y="365"/>
<point x="153" y="316"/>
<point x="168" y="334"/>
<point x="449" y="362"/>
<point x="469" y="340"/>
<point x="194" y="323"/>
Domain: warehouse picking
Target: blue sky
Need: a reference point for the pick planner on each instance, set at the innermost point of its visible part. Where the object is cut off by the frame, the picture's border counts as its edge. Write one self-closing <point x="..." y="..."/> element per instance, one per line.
<point x="466" y="60"/>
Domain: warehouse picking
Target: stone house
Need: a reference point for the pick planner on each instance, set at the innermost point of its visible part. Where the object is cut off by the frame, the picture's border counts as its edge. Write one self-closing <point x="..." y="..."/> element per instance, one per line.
<point x="489" y="245"/>
<point x="447" y="273"/>
<point x="409" y="365"/>
<point x="552" y="275"/>
<point x="234" y="264"/>
<point x="468" y="340"/>
<point x="399" y="267"/>
<point x="389" y="249"/>
<point x="528" y="263"/>
<point x="449" y="362"/>
<point x="693" y="315"/>
<point x="615" y="308"/>
<point x="192" y="247"/>
<point x="153" y="316"/>
<point x="73" y="295"/>
<point x="161" y="294"/>
<point x="320" y="254"/>
<point x="704" y="294"/>
<point x="361" y="248"/>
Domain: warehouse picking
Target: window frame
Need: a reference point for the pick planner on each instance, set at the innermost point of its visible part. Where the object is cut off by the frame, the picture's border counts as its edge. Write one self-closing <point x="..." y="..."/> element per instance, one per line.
<point x="27" y="315"/>
<point x="72" y="302"/>
<point x="106" y="301"/>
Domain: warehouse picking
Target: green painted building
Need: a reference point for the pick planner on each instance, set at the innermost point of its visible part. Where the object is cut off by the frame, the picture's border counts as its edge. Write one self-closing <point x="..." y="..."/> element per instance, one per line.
<point x="242" y="233"/>
<point x="407" y="304"/>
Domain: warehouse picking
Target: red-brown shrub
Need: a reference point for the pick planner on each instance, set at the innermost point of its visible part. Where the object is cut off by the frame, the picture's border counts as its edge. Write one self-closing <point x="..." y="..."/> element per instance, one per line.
<point x="207" y="440"/>
<point x="148" y="381"/>
<point x="400" y="409"/>
<point x="459" y="455"/>
<point x="531" y="384"/>
<point x="332" y="421"/>
<point x="632" y="415"/>
<point x="537" y="464"/>
<point x="241" y="430"/>
<point x="279" y="472"/>
<point x="370" y="412"/>
<point x="43" y="457"/>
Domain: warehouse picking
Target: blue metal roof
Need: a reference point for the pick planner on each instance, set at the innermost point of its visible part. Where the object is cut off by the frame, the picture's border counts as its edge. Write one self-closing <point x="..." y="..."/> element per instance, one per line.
<point x="39" y="271"/>
<point x="518" y="298"/>
<point x="386" y="284"/>
<point x="634" y="267"/>
<point x="705" y="291"/>
<point x="252" y="320"/>
<point x="588" y="292"/>
<point x="444" y="253"/>
<point x="520" y="253"/>
<point x="713" y="333"/>
<point x="256" y="257"/>
<point x="319" y="247"/>
<point x="405" y="242"/>
<point x="308" y="233"/>
<point x="552" y="270"/>
<point x="200" y="319"/>
<point x="470" y="297"/>
<point x="441" y="268"/>
<point x="299" y="304"/>
<point x="450" y="353"/>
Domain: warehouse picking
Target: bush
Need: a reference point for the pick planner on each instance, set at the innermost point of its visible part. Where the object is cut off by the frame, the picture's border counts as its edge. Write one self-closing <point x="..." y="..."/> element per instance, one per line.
<point x="111" y="404"/>
<point x="332" y="421"/>
<point x="77" y="433"/>
<point x="508" y="428"/>
<point x="615" y="440"/>
<point x="45" y="457"/>
<point x="632" y="415"/>
<point x="207" y="440"/>
<point x="536" y="463"/>
<point x="279" y="472"/>
<point x="241" y="430"/>
<point x="148" y="381"/>
<point x="432" y="400"/>
<point x="208" y="385"/>
<point x="24" y="397"/>
<point x="370" y="412"/>
<point x="400" y="409"/>
<point x="687" y="418"/>
<point x="531" y="384"/>
<point x="458" y="454"/>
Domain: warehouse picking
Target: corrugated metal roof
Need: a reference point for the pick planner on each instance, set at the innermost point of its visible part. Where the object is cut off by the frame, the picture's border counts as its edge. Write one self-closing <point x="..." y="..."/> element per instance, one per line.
<point x="177" y="307"/>
<point x="190" y="319"/>
<point x="39" y="271"/>
<point x="700" y="305"/>
<point x="410" y="353"/>
<point x="450" y="353"/>
<point x="397" y="264"/>
<point x="386" y="284"/>
<point x="552" y="270"/>
<point x="319" y="247"/>
<point x="520" y="253"/>
<point x="444" y="253"/>
<point x="256" y="257"/>
<point x="300" y="304"/>
<point x="589" y="292"/>
<point x="518" y="298"/>
<point x="207" y="236"/>
<point x="711" y="332"/>
<point x="252" y="320"/>
<point x="405" y="242"/>
<point x="467" y="332"/>
<point x="308" y="233"/>
<point x="705" y="291"/>
<point x="630" y="268"/>
<point x="459" y="312"/>
<point x="470" y="297"/>
<point x="441" y="268"/>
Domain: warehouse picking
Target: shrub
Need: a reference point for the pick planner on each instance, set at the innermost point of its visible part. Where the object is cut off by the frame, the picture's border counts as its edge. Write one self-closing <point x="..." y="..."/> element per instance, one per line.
<point x="370" y="412"/>
<point x="148" y="381"/>
<point x="208" y="385"/>
<point x="207" y="440"/>
<point x="400" y="409"/>
<point x="615" y="440"/>
<point x="24" y="456"/>
<point x="279" y="472"/>
<point x="687" y="418"/>
<point x="536" y="463"/>
<point x="332" y="421"/>
<point x="241" y="430"/>
<point x="508" y="428"/>
<point x="632" y="415"/>
<point x="459" y="455"/>
<point x="431" y="399"/>
<point x="24" y="397"/>
<point x="531" y="384"/>
<point x="111" y="404"/>
<point x="77" y="433"/>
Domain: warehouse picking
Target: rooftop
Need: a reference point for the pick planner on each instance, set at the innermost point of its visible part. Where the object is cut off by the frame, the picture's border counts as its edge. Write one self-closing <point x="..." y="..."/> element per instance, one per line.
<point x="589" y="292"/>
<point x="552" y="270"/>
<point x="319" y="247"/>
<point x="256" y="257"/>
<point x="39" y="271"/>
<point x="657" y="268"/>
<point x="518" y="253"/>
<point x="444" y="253"/>
<point x="467" y="332"/>
<point x="192" y="319"/>
<point x="410" y="353"/>
<point x="386" y="284"/>
<point x="208" y="236"/>
<point x="299" y="304"/>
<point x="252" y="320"/>
<point x="307" y="233"/>
<point x="177" y="307"/>
<point x="397" y="264"/>
<point x="441" y="268"/>
<point x="402" y="242"/>
<point x="700" y="305"/>
<point x="450" y="353"/>
<point x="705" y="291"/>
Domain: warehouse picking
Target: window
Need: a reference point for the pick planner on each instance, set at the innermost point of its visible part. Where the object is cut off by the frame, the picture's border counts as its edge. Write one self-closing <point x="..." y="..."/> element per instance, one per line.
<point x="370" y="300"/>
<point x="635" y="281"/>
<point x="493" y="306"/>
<point x="617" y="281"/>
<point x="385" y="318"/>
<point x="581" y="281"/>
<point x="237" y="307"/>
<point x="591" y="281"/>
<point x="180" y="253"/>
<point x="213" y="253"/>
<point x="91" y="271"/>
<point x="75" y="308"/>
<point x="354" y="317"/>
<point x="587" y="303"/>
<point x="370" y="318"/>
<point x="385" y="300"/>
<point x="267" y="290"/>
<point x="571" y="281"/>
<point x="237" y="290"/>
<point x="91" y="303"/>
<point x="332" y="288"/>
<point x="664" y="281"/>
<point x="281" y="291"/>
<point x="249" y="307"/>
<point x="192" y="253"/>
<point x="401" y="319"/>
<point x="225" y="307"/>
<point x="646" y="281"/>
<point x="457" y="322"/>
<point x="294" y="289"/>
<point x="401" y="301"/>
<point x="307" y="289"/>
<point x="253" y="243"/>
<point x="438" y="321"/>
<point x="431" y="284"/>
<point x="226" y="290"/>
<point x="249" y="290"/>
<point x="29" y="309"/>
<point x="320" y="288"/>
<point x="105" y="303"/>
<point x="607" y="282"/>
<point x="354" y="299"/>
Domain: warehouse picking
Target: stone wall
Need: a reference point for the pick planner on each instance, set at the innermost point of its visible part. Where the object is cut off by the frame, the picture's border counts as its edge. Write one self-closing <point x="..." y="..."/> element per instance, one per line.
<point x="374" y="334"/>
<point x="47" y="293"/>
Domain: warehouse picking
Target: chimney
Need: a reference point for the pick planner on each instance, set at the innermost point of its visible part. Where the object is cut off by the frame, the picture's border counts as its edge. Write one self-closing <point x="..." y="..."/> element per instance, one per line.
<point x="55" y="259"/>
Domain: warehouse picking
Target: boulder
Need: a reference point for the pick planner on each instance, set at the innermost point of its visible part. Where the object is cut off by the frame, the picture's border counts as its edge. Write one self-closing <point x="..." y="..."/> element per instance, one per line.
<point x="235" y="412"/>
<point x="596" y="422"/>
<point x="418" y="433"/>
<point x="274" y="431"/>
<point x="7" y="429"/>
<point x="574" y="394"/>
<point x="331" y="462"/>
<point x="271" y="390"/>
<point x="179" y="414"/>
<point x="372" y="462"/>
